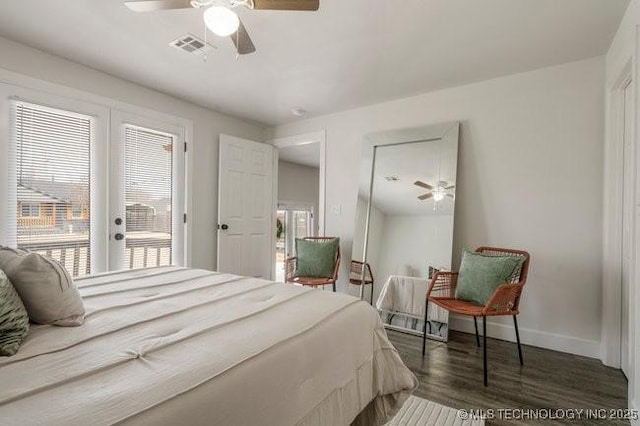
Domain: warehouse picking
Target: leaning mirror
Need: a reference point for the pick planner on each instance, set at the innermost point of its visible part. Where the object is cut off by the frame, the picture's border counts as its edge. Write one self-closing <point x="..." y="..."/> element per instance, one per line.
<point x="404" y="223"/>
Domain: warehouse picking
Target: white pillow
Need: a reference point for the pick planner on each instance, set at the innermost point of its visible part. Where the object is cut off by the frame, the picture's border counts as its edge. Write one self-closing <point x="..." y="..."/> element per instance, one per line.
<point x="45" y="287"/>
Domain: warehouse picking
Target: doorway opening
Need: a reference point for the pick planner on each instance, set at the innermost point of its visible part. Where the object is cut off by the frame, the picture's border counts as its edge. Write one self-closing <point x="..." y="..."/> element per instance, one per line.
<point x="293" y="221"/>
<point x="300" y="194"/>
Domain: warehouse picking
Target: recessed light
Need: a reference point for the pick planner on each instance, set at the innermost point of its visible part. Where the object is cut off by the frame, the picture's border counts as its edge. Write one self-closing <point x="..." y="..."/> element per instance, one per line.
<point x="298" y="112"/>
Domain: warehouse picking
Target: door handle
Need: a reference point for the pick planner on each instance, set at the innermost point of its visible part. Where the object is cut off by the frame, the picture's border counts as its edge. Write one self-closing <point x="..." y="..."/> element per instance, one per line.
<point x="224" y="226"/>
<point x="118" y="236"/>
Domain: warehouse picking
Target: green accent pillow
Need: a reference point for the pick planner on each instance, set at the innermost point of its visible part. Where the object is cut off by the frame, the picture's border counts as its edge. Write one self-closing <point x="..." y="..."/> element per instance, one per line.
<point x="480" y="275"/>
<point x="14" y="320"/>
<point x="316" y="259"/>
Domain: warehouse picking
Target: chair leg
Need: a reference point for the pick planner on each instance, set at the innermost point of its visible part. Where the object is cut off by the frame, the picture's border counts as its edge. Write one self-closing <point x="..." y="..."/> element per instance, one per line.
<point x="371" y="294"/>
<point x="424" y="327"/>
<point x="334" y="286"/>
<point x="484" y="347"/>
<point x="475" y="323"/>
<point x="515" y="323"/>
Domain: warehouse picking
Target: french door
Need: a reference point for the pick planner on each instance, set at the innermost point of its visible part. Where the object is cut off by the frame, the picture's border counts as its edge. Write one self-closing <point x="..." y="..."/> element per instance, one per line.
<point x="97" y="190"/>
<point x="146" y="218"/>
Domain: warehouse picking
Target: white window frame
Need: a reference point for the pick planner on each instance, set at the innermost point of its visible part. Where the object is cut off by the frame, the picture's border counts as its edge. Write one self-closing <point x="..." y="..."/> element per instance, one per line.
<point x="99" y="149"/>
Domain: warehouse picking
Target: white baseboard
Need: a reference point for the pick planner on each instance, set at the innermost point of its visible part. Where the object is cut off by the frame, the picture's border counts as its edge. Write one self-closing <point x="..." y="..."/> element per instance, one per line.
<point x="541" y="339"/>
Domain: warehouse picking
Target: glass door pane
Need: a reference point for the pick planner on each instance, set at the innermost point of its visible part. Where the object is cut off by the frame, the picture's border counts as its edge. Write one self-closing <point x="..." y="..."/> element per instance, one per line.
<point x="50" y="169"/>
<point x="290" y="224"/>
<point x="148" y="196"/>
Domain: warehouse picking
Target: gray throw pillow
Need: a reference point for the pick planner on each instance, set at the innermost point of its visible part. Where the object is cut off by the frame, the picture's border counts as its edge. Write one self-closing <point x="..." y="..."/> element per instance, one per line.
<point x="480" y="275"/>
<point x="316" y="259"/>
<point x="45" y="287"/>
<point x="14" y="320"/>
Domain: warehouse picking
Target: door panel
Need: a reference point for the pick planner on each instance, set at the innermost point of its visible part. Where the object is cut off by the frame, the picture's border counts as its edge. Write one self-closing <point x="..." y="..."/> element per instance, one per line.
<point x="146" y="198"/>
<point x="245" y="197"/>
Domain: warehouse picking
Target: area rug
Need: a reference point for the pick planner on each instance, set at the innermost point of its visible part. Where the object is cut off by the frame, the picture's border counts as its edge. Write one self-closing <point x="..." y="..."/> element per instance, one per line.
<point x="420" y="412"/>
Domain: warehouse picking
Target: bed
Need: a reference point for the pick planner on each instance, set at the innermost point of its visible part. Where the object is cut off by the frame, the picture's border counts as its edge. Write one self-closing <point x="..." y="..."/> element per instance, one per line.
<point x="173" y="345"/>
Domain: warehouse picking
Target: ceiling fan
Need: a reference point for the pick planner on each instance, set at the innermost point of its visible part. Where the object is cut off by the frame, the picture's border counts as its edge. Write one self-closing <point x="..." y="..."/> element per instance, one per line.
<point x="438" y="192"/>
<point x="219" y="16"/>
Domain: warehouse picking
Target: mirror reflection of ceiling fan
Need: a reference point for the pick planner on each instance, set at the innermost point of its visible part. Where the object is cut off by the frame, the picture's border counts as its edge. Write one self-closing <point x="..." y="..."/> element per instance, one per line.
<point x="438" y="192"/>
<point x="219" y="16"/>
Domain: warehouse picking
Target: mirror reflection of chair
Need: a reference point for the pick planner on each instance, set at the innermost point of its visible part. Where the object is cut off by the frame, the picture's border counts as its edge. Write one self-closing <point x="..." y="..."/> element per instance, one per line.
<point x="355" y="275"/>
<point x="292" y="267"/>
<point x="505" y="299"/>
<point x="405" y="216"/>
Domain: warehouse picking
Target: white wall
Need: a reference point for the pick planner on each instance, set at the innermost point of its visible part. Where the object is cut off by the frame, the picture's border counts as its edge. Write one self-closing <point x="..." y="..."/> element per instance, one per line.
<point x="298" y="183"/>
<point x="624" y="50"/>
<point x="415" y="241"/>
<point x="83" y="83"/>
<point x="529" y="176"/>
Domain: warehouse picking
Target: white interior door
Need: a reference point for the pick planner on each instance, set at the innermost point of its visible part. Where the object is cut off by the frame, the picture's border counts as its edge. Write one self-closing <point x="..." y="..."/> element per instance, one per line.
<point x="627" y="226"/>
<point x="246" y="221"/>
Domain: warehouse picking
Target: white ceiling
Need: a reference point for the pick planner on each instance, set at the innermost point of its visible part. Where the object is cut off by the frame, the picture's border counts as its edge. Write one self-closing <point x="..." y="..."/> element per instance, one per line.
<point x="428" y="161"/>
<point x="350" y="53"/>
<point x="307" y="154"/>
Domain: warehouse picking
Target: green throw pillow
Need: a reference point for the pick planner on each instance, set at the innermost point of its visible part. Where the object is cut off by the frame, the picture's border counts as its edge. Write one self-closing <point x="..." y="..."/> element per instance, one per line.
<point x="480" y="275"/>
<point x="316" y="258"/>
<point x="14" y="320"/>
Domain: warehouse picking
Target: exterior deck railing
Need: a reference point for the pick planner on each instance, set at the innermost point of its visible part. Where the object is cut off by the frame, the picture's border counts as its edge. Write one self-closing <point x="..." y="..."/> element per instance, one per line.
<point x="76" y="255"/>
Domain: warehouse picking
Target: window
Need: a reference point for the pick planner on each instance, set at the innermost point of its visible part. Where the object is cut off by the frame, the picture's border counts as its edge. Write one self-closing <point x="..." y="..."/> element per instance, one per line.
<point x="30" y="210"/>
<point x="76" y="211"/>
<point x="50" y="172"/>
<point x="148" y="187"/>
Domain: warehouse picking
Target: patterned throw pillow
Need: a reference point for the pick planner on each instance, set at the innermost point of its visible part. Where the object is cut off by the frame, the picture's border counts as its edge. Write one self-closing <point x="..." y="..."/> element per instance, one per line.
<point x="14" y="321"/>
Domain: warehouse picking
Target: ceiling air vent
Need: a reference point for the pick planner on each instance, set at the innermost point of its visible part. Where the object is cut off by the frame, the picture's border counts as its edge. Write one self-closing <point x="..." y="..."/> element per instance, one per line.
<point x="191" y="44"/>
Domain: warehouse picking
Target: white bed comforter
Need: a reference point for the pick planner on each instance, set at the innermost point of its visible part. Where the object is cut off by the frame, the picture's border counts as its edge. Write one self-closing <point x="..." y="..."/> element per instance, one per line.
<point x="178" y="346"/>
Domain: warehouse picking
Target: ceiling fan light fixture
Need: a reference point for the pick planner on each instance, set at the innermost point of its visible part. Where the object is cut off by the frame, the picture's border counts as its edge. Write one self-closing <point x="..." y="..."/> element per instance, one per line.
<point x="221" y="21"/>
<point x="438" y="193"/>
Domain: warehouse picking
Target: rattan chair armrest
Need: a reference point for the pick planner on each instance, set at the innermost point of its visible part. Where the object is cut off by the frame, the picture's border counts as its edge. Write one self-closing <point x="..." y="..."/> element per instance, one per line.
<point x="443" y="284"/>
<point x="504" y="301"/>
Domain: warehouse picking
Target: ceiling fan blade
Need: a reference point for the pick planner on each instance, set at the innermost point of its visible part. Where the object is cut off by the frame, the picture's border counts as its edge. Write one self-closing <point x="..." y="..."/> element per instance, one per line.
<point x="425" y="196"/>
<point x="154" y="5"/>
<point x="422" y="185"/>
<point x="286" y="5"/>
<point x="242" y="41"/>
<point x="450" y="195"/>
<point x="450" y="186"/>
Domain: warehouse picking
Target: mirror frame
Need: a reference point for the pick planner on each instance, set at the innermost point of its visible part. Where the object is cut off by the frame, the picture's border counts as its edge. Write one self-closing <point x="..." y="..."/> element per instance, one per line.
<point x="372" y="141"/>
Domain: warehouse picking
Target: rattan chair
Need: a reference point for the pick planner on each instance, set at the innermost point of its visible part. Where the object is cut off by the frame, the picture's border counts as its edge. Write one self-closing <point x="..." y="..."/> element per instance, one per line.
<point x="290" y="269"/>
<point x="355" y="275"/>
<point x="504" y="301"/>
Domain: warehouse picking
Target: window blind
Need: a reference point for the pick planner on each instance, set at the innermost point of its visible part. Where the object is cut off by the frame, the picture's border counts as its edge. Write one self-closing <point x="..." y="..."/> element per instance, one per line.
<point x="50" y="171"/>
<point x="148" y="196"/>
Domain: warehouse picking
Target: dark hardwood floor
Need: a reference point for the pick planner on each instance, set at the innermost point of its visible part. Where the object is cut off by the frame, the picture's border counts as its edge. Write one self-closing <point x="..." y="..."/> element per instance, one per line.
<point x="451" y="374"/>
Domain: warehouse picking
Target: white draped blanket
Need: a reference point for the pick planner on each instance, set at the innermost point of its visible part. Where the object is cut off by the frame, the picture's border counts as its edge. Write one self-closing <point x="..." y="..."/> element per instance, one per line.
<point x="178" y="346"/>
<point x="406" y="295"/>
